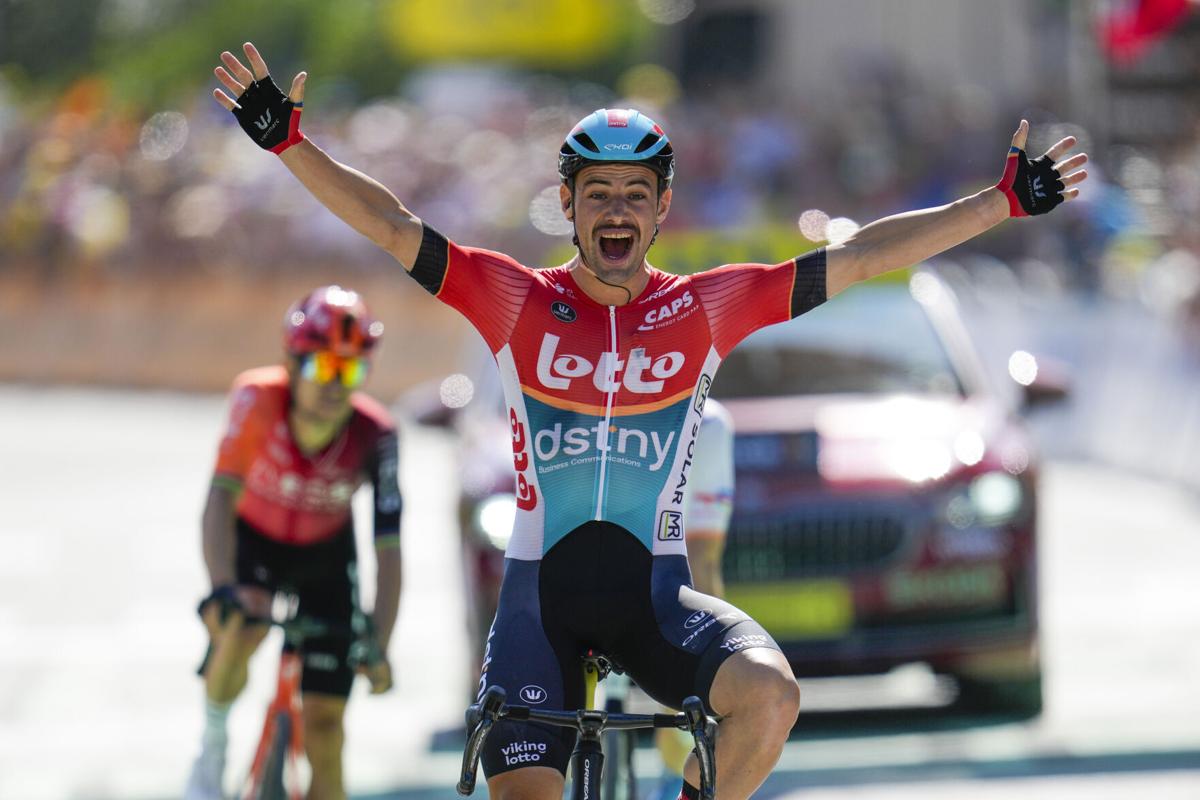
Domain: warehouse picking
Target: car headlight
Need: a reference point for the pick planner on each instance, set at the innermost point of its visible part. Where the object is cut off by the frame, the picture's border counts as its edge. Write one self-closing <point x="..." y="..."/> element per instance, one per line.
<point x="992" y="498"/>
<point x="494" y="518"/>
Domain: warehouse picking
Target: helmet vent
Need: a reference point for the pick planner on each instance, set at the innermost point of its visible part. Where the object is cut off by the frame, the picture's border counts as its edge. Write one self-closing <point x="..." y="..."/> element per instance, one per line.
<point x="647" y="142"/>
<point x="586" y="141"/>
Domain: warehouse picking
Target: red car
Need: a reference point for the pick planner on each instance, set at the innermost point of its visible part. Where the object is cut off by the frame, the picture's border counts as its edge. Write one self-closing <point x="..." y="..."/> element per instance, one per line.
<point x="886" y="501"/>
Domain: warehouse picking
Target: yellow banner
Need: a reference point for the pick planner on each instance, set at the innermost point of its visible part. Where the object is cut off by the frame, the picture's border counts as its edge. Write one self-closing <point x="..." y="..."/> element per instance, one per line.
<point x="541" y="32"/>
<point x="812" y="609"/>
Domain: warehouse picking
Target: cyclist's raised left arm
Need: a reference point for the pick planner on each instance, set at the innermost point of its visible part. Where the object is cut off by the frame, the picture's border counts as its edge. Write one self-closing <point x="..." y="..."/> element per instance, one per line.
<point x="1027" y="188"/>
<point x="272" y="120"/>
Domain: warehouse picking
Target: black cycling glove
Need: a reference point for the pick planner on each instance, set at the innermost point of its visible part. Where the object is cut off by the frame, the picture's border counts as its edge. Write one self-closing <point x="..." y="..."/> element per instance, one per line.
<point x="268" y="116"/>
<point x="1032" y="187"/>
<point x="225" y="596"/>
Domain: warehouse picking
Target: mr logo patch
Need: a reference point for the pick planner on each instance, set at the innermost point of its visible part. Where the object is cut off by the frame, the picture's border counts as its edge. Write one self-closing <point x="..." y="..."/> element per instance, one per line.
<point x="670" y="526"/>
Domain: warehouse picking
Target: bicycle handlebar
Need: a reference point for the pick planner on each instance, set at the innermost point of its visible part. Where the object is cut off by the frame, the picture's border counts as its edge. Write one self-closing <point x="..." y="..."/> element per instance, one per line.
<point x="483" y="715"/>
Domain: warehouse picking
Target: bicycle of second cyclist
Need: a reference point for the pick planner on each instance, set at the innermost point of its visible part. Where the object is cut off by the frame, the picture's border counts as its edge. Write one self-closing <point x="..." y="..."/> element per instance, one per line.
<point x="275" y="771"/>
<point x="594" y="727"/>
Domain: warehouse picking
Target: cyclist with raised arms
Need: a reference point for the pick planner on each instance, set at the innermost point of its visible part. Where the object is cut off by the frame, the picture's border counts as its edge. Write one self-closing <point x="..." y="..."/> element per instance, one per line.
<point x="606" y="363"/>
<point x="298" y="444"/>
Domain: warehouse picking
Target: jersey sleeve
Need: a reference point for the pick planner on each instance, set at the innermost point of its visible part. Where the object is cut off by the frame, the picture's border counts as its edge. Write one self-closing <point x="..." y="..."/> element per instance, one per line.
<point x="741" y="298"/>
<point x="486" y="287"/>
<point x="383" y="470"/>
<point x="244" y="431"/>
<point x="710" y="484"/>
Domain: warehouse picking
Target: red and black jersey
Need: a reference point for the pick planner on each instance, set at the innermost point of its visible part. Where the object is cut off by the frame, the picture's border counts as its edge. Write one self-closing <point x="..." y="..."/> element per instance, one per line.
<point x="301" y="499"/>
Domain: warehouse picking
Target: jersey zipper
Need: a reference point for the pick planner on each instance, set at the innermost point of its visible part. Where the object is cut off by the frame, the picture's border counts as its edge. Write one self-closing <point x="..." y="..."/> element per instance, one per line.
<point x="608" y="408"/>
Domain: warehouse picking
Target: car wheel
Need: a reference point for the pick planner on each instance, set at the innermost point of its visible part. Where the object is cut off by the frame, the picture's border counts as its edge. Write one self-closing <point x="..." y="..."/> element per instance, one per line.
<point x="1021" y="696"/>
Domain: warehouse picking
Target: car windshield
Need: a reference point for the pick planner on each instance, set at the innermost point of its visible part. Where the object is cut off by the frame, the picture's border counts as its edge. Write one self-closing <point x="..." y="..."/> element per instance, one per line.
<point x="873" y="339"/>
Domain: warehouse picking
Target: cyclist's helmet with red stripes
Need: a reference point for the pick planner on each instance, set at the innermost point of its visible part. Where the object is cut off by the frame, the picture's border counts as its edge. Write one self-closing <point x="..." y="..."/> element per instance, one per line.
<point x="334" y="319"/>
<point x="617" y="135"/>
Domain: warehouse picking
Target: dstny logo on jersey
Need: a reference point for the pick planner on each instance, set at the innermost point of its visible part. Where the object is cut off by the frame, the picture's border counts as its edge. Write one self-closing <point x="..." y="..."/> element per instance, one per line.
<point x="643" y="442"/>
<point x="624" y="445"/>
<point x="638" y="372"/>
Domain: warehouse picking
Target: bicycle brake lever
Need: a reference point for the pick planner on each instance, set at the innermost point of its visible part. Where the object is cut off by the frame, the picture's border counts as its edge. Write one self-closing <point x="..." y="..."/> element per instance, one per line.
<point x="704" y="732"/>
<point x="480" y="718"/>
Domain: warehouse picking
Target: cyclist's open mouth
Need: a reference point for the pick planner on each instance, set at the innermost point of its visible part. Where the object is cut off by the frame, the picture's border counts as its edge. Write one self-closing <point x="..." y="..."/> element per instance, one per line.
<point x="615" y="245"/>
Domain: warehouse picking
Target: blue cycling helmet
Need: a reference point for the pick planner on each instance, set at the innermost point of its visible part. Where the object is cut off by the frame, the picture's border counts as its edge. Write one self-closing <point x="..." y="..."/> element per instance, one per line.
<point x="620" y="136"/>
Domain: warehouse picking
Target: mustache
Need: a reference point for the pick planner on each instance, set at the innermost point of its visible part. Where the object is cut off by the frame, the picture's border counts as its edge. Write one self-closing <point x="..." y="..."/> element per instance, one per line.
<point x="614" y="229"/>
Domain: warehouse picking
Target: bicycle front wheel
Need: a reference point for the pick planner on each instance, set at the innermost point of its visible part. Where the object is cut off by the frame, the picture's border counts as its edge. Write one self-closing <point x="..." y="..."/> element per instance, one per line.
<point x="620" y="782"/>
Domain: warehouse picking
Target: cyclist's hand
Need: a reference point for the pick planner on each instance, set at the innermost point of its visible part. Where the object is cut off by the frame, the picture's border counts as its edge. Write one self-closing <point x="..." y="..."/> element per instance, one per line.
<point x="266" y="114"/>
<point x="1038" y="186"/>
<point x="219" y="609"/>
<point x="379" y="674"/>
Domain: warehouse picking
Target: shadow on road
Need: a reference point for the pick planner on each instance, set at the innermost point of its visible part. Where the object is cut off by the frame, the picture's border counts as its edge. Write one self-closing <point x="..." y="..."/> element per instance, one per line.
<point x="1064" y="764"/>
<point x="890" y="721"/>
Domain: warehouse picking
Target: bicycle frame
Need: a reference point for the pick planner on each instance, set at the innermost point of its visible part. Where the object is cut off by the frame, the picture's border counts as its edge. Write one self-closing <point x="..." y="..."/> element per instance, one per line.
<point x="275" y="771"/>
<point x="284" y="710"/>
<point x="587" y="760"/>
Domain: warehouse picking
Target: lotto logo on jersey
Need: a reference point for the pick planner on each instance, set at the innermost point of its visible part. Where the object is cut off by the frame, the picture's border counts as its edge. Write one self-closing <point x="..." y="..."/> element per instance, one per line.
<point x="638" y="373"/>
<point x="526" y="494"/>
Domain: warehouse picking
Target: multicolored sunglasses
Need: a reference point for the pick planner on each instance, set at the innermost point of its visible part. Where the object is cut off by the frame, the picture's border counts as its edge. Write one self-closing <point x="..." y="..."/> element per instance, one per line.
<point x="325" y="367"/>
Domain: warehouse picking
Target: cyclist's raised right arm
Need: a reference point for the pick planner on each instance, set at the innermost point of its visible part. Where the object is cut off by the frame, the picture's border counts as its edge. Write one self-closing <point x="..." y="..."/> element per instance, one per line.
<point x="359" y="200"/>
<point x="362" y="202"/>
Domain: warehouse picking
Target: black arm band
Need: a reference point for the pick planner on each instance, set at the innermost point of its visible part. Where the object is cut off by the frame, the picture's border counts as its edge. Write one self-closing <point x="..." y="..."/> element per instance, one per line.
<point x="808" y="288"/>
<point x="432" y="261"/>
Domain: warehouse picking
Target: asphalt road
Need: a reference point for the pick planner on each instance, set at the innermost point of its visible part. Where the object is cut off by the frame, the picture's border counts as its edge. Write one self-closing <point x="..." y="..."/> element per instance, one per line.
<point x="100" y="572"/>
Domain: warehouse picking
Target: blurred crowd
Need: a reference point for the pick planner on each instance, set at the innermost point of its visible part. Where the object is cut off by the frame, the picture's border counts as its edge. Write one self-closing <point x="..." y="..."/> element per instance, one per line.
<point x="88" y="188"/>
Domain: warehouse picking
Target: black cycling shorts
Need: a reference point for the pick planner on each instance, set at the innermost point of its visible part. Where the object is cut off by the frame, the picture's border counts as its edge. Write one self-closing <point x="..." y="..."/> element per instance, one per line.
<point x="324" y="577"/>
<point x="599" y="588"/>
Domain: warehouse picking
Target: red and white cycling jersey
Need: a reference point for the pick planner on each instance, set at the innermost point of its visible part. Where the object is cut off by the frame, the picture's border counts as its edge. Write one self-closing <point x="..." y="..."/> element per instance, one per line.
<point x="605" y="402"/>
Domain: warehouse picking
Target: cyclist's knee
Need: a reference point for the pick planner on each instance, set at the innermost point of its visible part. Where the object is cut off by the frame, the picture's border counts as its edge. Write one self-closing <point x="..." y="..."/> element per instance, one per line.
<point x="323" y="727"/>
<point x="527" y="783"/>
<point x="231" y="653"/>
<point x="243" y="640"/>
<point x="757" y="681"/>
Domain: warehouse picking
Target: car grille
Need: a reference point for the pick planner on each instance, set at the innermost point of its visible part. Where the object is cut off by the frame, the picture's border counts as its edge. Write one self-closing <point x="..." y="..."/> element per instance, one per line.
<point x="795" y="547"/>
